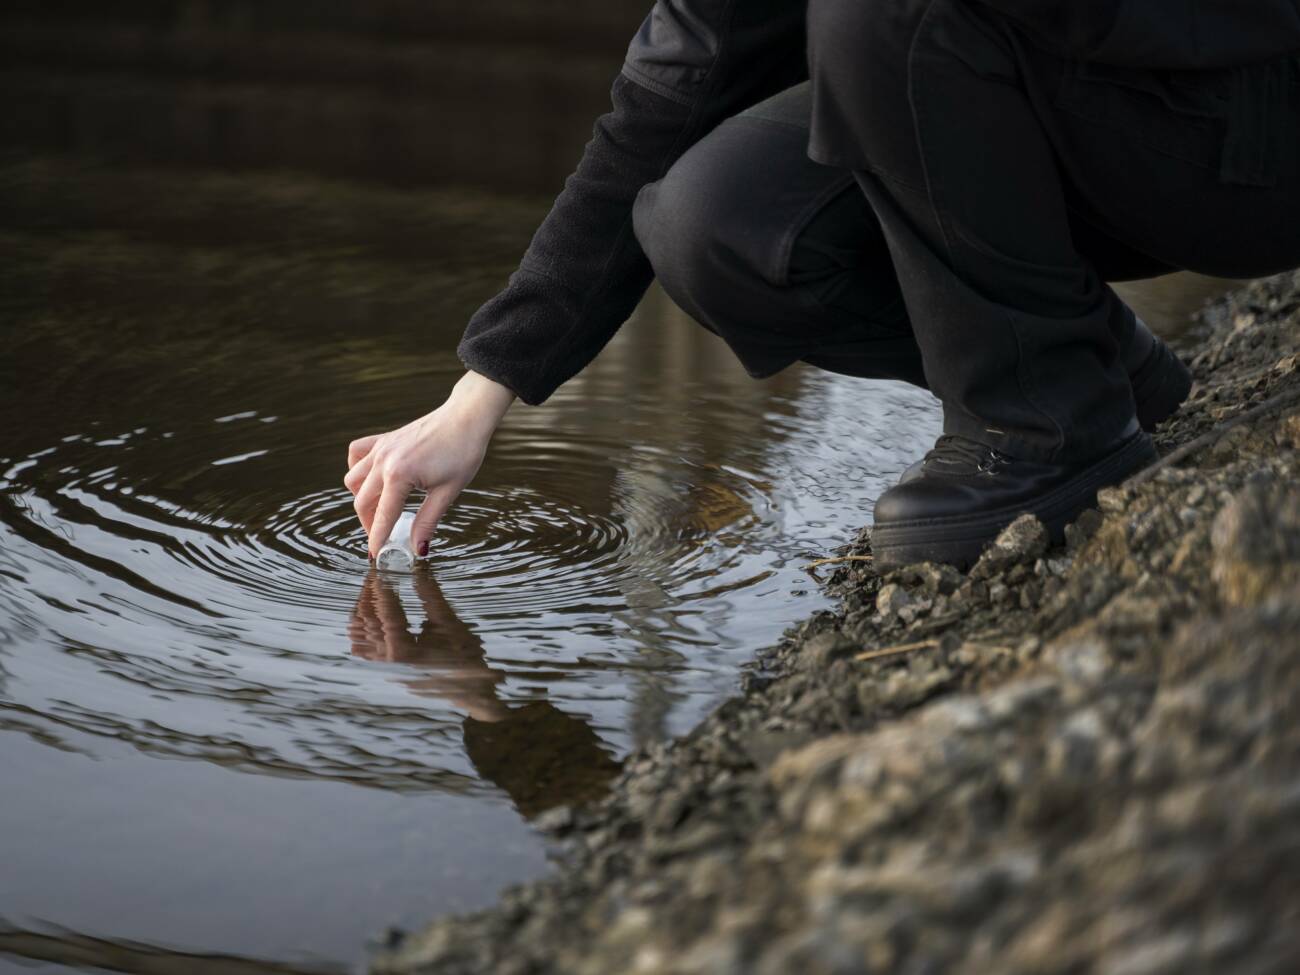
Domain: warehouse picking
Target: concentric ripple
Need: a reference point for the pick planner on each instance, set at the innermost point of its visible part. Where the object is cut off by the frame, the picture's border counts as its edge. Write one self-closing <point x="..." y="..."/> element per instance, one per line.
<point x="198" y="667"/>
<point x="223" y="611"/>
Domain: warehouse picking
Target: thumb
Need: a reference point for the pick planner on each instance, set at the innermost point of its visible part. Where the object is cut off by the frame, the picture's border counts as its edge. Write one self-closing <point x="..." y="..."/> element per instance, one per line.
<point x="426" y="519"/>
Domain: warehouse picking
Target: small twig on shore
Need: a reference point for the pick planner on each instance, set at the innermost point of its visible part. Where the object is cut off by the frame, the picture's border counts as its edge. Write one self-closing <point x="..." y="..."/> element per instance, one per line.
<point x="836" y="559"/>
<point x="901" y="648"/>
<point x="1174" y="456"/>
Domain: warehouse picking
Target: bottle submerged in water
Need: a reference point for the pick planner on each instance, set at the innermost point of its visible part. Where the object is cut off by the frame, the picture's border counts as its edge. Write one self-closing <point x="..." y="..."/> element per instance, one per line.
<point x="397" y="554"/>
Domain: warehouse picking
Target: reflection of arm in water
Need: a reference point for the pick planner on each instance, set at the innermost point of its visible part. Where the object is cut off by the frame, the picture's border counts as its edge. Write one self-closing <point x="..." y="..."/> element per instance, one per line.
<point x="439" y="453"/>
<point x="584" y="272"/>
<point x="539" y="755"/>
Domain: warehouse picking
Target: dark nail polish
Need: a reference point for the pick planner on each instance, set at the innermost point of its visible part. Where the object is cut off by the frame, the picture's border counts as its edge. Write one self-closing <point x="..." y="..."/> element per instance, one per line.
<point x="423" y="549"/>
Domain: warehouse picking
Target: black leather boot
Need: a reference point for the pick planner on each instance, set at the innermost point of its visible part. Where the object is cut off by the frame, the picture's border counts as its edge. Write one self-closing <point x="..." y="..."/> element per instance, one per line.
<point x="965" y="493"/>
<point x="1160" y="383"/>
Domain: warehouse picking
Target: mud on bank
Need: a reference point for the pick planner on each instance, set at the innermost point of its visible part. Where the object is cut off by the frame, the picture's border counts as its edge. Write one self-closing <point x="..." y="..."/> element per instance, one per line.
<point x="1079" y="759"/>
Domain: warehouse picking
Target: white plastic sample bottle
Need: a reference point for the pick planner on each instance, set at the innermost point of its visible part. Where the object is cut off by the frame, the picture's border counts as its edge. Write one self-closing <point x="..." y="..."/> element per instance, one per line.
<point x="397" y="553"/>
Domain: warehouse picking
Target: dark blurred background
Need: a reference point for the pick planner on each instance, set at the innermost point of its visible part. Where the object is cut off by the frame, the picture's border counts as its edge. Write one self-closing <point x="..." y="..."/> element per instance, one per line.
<point x="498" y="93"/>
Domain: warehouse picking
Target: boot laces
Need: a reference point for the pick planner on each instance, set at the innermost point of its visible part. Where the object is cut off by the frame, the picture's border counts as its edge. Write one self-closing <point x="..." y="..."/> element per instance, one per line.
<point x="955" y="454"/>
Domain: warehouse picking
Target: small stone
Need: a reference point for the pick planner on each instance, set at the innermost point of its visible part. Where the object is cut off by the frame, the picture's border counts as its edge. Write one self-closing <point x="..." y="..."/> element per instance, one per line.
<point x="556" y="821"/>
<point x="1131" y="612"/>
<point x="1112" y="500"/>
<point x="967" y="655"/>
<point x="1228" y="447"/>
<point x="825" y="648"/>
<point x="1084" y="660"/>
<point x="1059" y="566"/>
<point x="891" y="600"/>
<point x="935" y="580"/>
<point x="764" y="747"/>
<point x="1288" y="428"/>
<point x="1256" y="542"/>
<point x="1021" y="543"/>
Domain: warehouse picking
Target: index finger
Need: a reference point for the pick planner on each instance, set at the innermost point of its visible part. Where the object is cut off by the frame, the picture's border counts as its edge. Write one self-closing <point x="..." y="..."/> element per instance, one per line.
<point x="387" y="512"/>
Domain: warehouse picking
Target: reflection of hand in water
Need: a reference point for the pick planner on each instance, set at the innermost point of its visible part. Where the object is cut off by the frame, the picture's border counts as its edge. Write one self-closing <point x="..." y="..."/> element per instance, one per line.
<point x="450" y="651"/>
<point x="540" y="756"/>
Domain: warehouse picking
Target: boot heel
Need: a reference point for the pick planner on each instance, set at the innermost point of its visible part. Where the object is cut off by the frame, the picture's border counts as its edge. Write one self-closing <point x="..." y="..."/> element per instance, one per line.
<point x="1160" y="386"/>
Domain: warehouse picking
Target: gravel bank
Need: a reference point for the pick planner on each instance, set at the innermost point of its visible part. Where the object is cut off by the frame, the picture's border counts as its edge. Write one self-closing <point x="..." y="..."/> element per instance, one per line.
<point x="1074" y="760"/>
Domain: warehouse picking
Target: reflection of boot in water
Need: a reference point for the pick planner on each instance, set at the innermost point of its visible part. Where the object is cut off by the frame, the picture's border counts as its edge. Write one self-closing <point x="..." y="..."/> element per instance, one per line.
<point x="541" y="756"/>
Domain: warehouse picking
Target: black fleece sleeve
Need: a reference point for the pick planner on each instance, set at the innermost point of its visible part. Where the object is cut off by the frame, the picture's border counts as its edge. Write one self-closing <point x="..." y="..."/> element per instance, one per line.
<point x="692" y="64"/>
<point x="1161" y="34"/>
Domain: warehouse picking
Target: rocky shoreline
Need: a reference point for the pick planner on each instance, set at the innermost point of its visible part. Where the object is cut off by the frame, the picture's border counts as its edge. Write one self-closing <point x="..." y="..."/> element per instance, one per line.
<point x="1082" y="759"/>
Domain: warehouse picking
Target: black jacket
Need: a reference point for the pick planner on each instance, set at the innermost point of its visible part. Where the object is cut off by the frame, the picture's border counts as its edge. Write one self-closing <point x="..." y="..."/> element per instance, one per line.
<point x="694" y="63"/>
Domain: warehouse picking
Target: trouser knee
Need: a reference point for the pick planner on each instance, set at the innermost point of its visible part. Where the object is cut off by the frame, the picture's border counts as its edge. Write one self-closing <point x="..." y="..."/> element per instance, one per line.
<point x="724" y="231"/>
<point x="682" y="223"/>
<point x="777" y="255"/>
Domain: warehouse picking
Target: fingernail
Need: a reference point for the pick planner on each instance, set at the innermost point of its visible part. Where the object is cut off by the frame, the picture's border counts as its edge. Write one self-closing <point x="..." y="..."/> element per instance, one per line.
<point x="423" y="549"/>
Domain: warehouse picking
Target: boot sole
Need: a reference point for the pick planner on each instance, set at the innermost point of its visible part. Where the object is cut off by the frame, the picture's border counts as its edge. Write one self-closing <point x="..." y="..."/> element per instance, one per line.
<point x="959" y="540"/>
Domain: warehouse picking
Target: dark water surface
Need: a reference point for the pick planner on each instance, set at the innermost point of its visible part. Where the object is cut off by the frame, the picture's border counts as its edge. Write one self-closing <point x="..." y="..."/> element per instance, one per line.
<point x="220" y="732"/>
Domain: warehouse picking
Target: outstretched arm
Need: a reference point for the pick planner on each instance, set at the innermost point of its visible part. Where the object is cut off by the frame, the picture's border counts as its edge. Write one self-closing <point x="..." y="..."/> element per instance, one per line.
<point x="692" y="64"/>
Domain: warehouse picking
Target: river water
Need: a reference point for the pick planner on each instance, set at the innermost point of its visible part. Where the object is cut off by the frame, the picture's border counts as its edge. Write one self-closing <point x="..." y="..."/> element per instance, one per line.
<point x="227" y="744"/>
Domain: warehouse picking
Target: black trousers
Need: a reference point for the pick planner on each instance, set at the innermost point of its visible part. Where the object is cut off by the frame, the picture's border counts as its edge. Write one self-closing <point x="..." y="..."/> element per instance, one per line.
<point x="973" y="195"/>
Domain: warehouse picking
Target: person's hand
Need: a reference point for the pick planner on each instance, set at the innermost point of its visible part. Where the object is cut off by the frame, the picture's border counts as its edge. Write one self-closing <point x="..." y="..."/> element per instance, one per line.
<point x="439" y="453"/>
